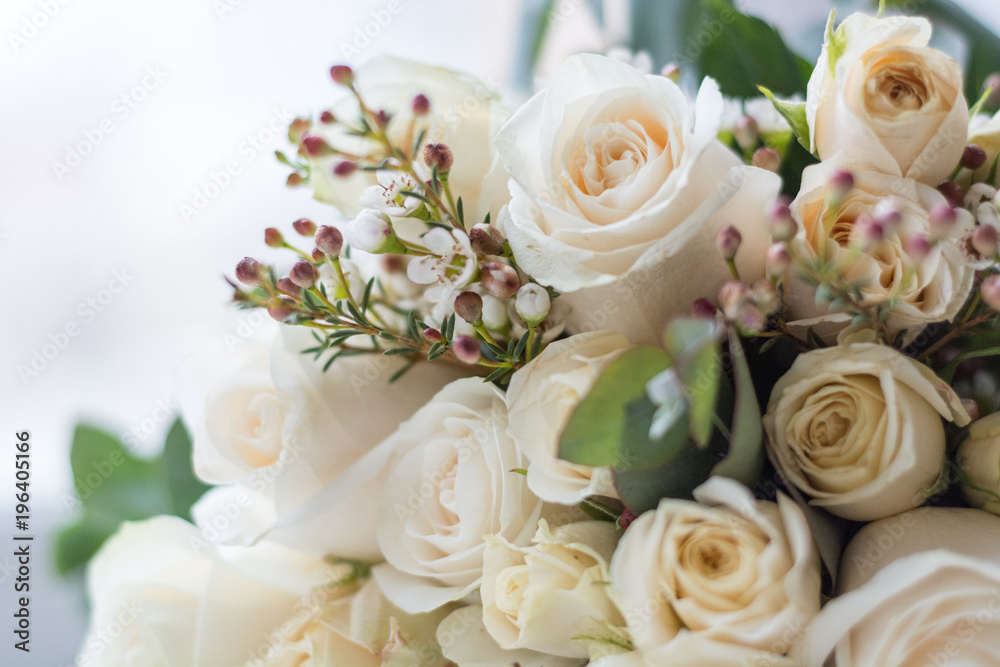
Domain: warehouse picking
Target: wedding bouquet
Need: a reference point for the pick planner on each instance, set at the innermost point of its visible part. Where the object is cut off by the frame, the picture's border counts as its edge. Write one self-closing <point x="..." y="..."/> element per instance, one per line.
<point x="578" y="384"/>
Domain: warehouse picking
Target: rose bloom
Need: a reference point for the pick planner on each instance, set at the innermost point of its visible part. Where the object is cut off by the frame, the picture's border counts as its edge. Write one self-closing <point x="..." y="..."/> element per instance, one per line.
<point x="465" y="115"/>
<point x="619" y="187"/>
<point x="979" y="457"/>
<point x="728" y="569"/>
<point x="888" y="99"/>
<point x="935" y="289"/>
<point x="920" y="588"/>
<point x="161" y="595"/>
<point x="690" y="650"/>
<point x="541" y="398"/>
<point x="858" y="428"/>
<point x="453" y="480"/>
<point x="294" y="447"/>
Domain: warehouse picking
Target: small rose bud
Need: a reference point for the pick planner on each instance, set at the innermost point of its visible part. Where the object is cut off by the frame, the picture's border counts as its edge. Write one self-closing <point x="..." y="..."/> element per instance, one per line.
<point x="466" y="349"/>
<point x="732" y="297"/>
<point x="973" y="157"/>
<point x="344" y="168"/>
<point x="316" y="146"/>
<point x="671" y="71"/>
<point x="984" y="240"/>
<point x="293" y="180"/>
<point x="330" y="241"/>
<point x="469" y="306"/>
<point x="499" y="279"/>
<point x="971" y="407"/>
<point x="297" y="129"/>
<point x="841" y="183"/>
<point x="304" y="274"/>
<point x="777" y="260"/>
<point x="533" y="304"/>
<point x="371" y="232"/>
<point x="783" y="225"/>
<point x="327" y="118"/>
<point x="703" y="308"/>
<point x="953" y="192"/>
<point x="304" y="226"/>
<point x="273" y="238"/>
<point x="917" y="247"/>
<point x="942" y="219"/>
<point x="990" y="291"/>
<point x="342" y="74"/>
<point x="486" y="240"/>
<point x="284" y="309"/>
<point x="248" y="271"/>
<point x="440" y="156"/>
<point x="432" y="335"/>
<point x="728" y="240"/>
<point x="746" y="132"/>
<point x="767" y="158"/>
<point x="288" y="287"/>
<point x="421" y="105"/>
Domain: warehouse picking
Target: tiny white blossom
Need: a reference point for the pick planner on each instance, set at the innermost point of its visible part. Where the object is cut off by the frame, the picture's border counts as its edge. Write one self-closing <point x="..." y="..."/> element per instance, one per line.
<point x="387" y="195"/>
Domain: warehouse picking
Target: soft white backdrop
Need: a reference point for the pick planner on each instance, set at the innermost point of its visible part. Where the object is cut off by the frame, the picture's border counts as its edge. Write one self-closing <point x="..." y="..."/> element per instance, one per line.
<point x="202" y="82"/>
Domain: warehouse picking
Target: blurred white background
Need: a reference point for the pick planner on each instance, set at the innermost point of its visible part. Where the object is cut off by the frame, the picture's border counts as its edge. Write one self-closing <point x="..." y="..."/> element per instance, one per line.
<point x="154" y="98"/>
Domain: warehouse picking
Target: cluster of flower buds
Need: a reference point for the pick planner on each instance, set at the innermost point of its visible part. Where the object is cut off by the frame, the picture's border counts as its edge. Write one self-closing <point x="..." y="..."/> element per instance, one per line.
<point x="748" y="307"/>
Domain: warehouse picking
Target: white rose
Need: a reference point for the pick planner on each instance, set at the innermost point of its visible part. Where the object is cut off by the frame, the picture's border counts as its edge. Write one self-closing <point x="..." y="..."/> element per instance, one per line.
<point x="934" y="292"/>
<point x="453" y="481"/>
<point x="728" y="569"/>
<point x="465" y="115"/>
<point x="163" y="596"/>
<point x="464" y="640"/>
<point x="319" y="493"/>
<point x="920" y="588"/>
<point x="858" y="428"/>
<point x="619" y="187"/>
<point x="979" y="457"/>
<point x="541" y="396"/>
<point x="691" y="650"/>
<point x="888" y="99"/>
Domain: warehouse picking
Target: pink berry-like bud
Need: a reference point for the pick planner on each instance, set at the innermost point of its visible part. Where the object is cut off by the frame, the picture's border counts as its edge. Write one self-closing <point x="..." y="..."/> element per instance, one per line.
<point x="751" y="320"/>
<point x="344" y="168"/>
<point x="767" y="158"/>
<point x="283" y="310"/>
<point x="868" y="231"/>
<point x="342" y="74"/>
<point x="747" y="133"/>
<point x="984" y="240"/>
<point x="703" y="308"/>
<point x="486" y="240"/>
<point x="440" y="156"/>
<point x="953" y="192"/>
<point x="316" y="146"/>
<point x="887" y="214"/>
<point x="330" y="241"/>
<point x="777" y="260"/>
<point x="783" y="225"/>
<point x="432" y="335"/>
<point x="421" y="105"/>
<point x="318" y="255"/>
<point x="297" y="129"/>
<point x="327" y="118"/>
<point x="288" y="287"/>
<point x="304" y="226"/>
<point x="728" y="240"/>
<point x="466" y="349"/>
<point x="992" y="84"/>
<point x="942" y="219"/>
<point x="973" y="157"/>
<point x="841" y="182"/>
<point x="732" y="297"/>
<point x="917" y="247"/>
<point x="294" y="180"/>
<point x="304" y="274"/>
<point x="990" y="291"/>
<point x="972" y="408"/>
<point x="273" y="238"/>
<point x="469" y="306"/>
<point x="499" y="279"/>
<point x="248" y="271"/>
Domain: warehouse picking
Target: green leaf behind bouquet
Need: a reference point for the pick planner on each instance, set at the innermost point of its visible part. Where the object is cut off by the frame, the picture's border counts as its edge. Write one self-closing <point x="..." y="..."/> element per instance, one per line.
<point x="114" y="486"/>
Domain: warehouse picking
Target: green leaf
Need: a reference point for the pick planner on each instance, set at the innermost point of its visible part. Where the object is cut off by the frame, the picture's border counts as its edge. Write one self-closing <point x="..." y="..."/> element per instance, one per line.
<point x="594" y="433"/>
<point x="746" y="455"/>
<point x="836" y="42"/>
<point x="641" y="490"/>
<point x="114" y="486"/>
<point x="693" y="346"/>
<point x="794" y="114"/>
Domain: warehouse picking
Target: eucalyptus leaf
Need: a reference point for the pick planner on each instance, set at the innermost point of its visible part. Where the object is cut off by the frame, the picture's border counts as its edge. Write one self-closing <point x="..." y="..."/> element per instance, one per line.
<point x="693" y="346"/>
<point x="746" y="456"/>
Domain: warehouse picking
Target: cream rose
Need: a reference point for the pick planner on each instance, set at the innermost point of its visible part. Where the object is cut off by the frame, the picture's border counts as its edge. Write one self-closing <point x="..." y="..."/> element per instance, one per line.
<point x="465" y="115"/>
<point x="920" y="588"/>
<point x="325" y="465"/>
<point x="541" y="396"/>
<point x="979" y="458"/>
<point x="858" y="428"/>
<point x="161" y="595"/>
<point x="691" y="650"/>
<point x="880" y="93"/>
<point x="729" y="569"/>
<point x="934" y="291"/>
<point x="619" y="187"/>
<point x="453" y="481"/>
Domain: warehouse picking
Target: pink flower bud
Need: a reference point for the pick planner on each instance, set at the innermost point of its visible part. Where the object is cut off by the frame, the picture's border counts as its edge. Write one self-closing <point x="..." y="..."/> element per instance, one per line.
<point x="294" y="180"/>
<point x="732" y="297"/>
<point x="304" y="226"/>
<point x="304" y="274"/>
<point x="248" y="271"/>
<point x="973" y="157"/>
<point x="942" y="219"/>
<point x="777" y="260"/>
<point x="751" y="320"/>
<point x="841" y="182"/>
<point x="990" y="291"/>
<point x="992" y="84"/>
<point x="344" y="168"/>
<point x="316" y="147"/>
<point x="327" y="118"/>
<point x="297" y="128"/>
<point x="421" y="105"/>
<point x="330" y="241"/>
<point x="767" y="158"/>
<point x="432" y="335"/>
<point x="499" y="279"/>
<point x="318" y="255"/>
<point x="342" y="74"/>
<point x="984" y="240"/>
<point x="440" y="156"/>
<point x="284" y="309"/>
<point x="783" y="225"/>
<point x="953" y="192"/>
<point x="917" y="247"/>
<point x="466" y="349"/>
<point x="728" y="240"/>
<point x="887" y="214"/>
<point x="703" y="308"/>
<point x="746" y="132"/>
<point x="868" y="232"/>
<point x="972" y="408"/>
<point x="469" y="306"/>
<point x="486" y="240"/>
<point x="273" y="238"/>
<point x="288" y="287"/>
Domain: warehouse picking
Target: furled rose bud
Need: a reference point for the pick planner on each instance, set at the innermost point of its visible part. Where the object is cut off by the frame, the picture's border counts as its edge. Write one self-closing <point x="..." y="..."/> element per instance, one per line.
<point x="746" y="132"/>
<point x="499" y="279"/>
<point x="371" y="232"/>
<point x="979" y="458"/>
<point x="469" y="306"/>
<point x="286" y="285"/>
<point x="984" y="240"/>
<point x="990" y="291"/>
<point x="421" y="105"/>
<point x="767" y="158"/>
<point x="273" y="238"/>
<point x="283" y="310"/>
<point x="783" y="225"/>
<point x="342" y="74"/>
<point x="344" y="168"/>
<point x="486" y="240"/>
<point x="777" y="260"/>
<point x="728" y="240"/>
<point x="953" y="192"/>
<point x="466" y="349"/>
<point x="330" y="241"/>
<point x="303" y="274"/>
<point x="704" y="308"/>
<point x="304" y="226"/>
<point x="316" y="147"/>
<point x="440" y="156"/>
<point x="533" y="304"/>
<point x="973" y="157"/>
<point x="248" y="271"/>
